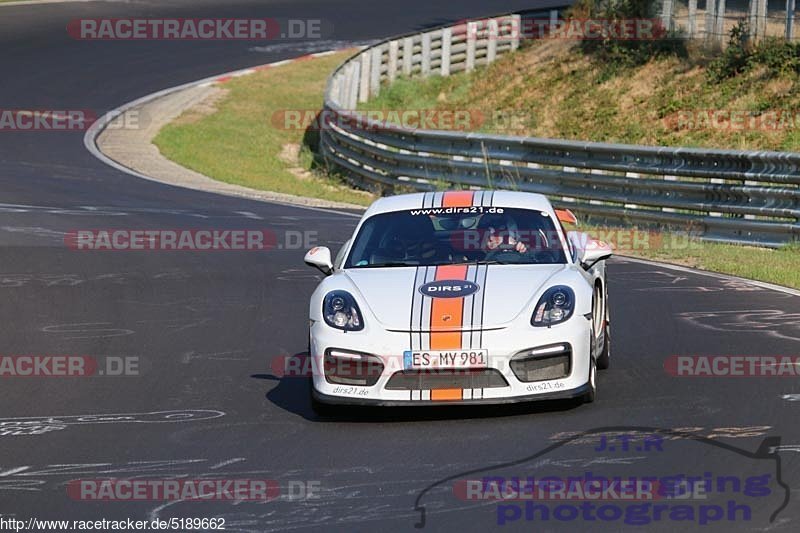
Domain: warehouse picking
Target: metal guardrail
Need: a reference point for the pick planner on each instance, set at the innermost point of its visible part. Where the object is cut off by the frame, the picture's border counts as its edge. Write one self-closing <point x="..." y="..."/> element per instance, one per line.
<point x="725" y="195"/>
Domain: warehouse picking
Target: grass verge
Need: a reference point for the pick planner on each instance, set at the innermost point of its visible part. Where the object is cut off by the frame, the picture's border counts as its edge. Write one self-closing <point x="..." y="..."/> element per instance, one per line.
<point x="240" y="136"/>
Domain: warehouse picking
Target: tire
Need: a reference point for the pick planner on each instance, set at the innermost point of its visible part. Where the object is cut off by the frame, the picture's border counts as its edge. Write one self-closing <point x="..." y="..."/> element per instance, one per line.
<point x="590" y="394"/>
<point x="604" y="354"/>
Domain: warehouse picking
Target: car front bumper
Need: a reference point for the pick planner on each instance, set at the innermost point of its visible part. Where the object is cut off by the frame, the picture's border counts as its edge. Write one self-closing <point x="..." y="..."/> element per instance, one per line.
<point x="502" y="345"/>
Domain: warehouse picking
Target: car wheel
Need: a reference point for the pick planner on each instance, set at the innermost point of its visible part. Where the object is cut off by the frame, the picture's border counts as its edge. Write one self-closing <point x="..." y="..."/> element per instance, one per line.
<point x="590" y="394"/>
<point x="602" y="321"/>
<point x="604" y="354"/>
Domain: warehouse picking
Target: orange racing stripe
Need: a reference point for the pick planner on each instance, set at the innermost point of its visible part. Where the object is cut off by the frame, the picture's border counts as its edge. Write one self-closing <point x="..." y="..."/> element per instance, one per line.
<point x="445" y="394"/>
<point x="447" y="313"/>
<point x="457" y="199"/>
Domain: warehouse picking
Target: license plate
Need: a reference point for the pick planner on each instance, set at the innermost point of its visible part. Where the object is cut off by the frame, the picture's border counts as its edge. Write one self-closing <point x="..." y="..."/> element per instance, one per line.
<point x="445" y="359"/>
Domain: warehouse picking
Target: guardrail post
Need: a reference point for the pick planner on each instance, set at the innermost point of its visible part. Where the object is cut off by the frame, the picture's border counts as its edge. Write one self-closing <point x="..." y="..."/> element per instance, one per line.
<point x="354" y="85"/>
<point x="343" y="94"/>
<point x="408" y="55"/>
<point x="666" y="14"/>
<point x="447" y="40"/>
<point x="346" y="84"/>
<point x="669" y="209"/>
<point x="711" y="16"/>
<point x="761" y="18"/>
<point x="715" y="213"/>
<point x="553" y="22"/>
<point x="631" y="175"/>
<point x="719" y="23"/>
<point x="426" y="54"/>
<point x="336" y="89"/>
<point x="394" y="48"/>
<point x="363" y="78"/>
<point x="472" y="37"/>
<point x="494" y="34"/>
<point x="598" y="171"/>
<point x="568" y="169"/>
<point x="375" y="71"/>
<point x="749" y="183"/>
<point x="790" y="4"/>
<point x="516" y="28"/>
<point x="692" y="19"/>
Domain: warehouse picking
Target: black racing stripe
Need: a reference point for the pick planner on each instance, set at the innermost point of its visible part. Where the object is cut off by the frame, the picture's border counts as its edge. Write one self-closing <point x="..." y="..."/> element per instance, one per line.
<point x="472" y="314"/>
<point x="474" y="301"/>
<point x="413" y="305"/>
<point x="464" y="325"/>
<point x="483" y="308"/>
<point x="491" y="199"/>
<point x="427" y="336"/>
<point x="422" y="309"/>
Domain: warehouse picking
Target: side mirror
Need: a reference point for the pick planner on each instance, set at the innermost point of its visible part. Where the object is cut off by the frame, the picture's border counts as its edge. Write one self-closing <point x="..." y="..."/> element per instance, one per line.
<point x="320" y="258"/>
<point x="566" y="217"/>
<point x="589" y="250"/>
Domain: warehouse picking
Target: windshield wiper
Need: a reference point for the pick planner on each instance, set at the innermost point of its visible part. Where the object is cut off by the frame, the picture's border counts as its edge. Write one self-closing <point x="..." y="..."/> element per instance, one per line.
<point x="390" y="264"/>
<point x="496" y="262"/>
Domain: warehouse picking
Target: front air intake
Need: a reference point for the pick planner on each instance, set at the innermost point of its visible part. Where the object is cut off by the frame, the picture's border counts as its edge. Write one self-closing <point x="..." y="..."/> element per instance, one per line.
<point x="543" y="363"/>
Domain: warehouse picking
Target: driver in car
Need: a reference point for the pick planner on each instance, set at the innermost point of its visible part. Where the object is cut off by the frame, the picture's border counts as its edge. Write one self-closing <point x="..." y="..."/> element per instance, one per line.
<point x="500" y="233"/>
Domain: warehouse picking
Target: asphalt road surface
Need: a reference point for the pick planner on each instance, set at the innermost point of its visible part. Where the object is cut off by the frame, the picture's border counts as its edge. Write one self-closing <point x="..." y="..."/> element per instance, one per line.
<point x="205" y="331"/>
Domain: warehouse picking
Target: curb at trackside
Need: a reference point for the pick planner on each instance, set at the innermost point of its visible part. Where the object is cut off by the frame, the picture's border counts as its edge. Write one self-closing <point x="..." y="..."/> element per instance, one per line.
<point x="44" y="2"/>
<point x="717" y="275"/>
<point x="96" y="129"/>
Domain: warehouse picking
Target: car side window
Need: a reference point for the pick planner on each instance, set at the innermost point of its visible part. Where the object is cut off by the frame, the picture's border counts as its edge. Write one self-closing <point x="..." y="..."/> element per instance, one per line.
<point x="337" y="263"/>
<point x="572" y="251"/>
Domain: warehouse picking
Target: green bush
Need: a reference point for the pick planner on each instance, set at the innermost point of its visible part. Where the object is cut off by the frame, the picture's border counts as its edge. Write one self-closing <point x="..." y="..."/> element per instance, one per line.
<point x="619" y="54"/>
<point x="777" y="55"/>
<point x="735" y="59"/>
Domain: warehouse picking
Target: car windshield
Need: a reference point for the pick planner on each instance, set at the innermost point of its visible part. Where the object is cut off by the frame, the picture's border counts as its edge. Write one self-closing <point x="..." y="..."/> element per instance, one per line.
<point x="483" y="235"/>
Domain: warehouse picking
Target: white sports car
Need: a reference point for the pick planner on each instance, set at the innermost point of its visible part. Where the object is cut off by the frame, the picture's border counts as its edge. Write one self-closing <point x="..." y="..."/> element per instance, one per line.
<point x="459" y="297"/>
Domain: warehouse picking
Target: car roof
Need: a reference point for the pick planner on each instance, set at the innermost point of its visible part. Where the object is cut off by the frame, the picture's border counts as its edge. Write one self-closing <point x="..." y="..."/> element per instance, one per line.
<point x="513" y="199"/>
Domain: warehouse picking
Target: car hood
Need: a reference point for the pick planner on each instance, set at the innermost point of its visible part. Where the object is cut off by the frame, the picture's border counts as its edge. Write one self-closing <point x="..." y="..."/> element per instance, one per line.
<point x="501" y="294"/>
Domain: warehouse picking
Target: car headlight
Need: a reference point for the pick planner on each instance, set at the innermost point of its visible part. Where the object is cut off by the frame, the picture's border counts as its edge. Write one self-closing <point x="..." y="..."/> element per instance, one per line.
<point x="341" y="311"/>
<point x="555" y="306"/>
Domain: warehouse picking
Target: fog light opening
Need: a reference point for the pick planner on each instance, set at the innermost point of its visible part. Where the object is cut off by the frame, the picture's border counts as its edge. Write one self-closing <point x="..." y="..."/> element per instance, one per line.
<point x="352" y="368"/>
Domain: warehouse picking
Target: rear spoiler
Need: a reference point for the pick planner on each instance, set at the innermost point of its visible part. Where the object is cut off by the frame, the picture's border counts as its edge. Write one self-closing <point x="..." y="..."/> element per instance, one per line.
<point x="566" y="216"/>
